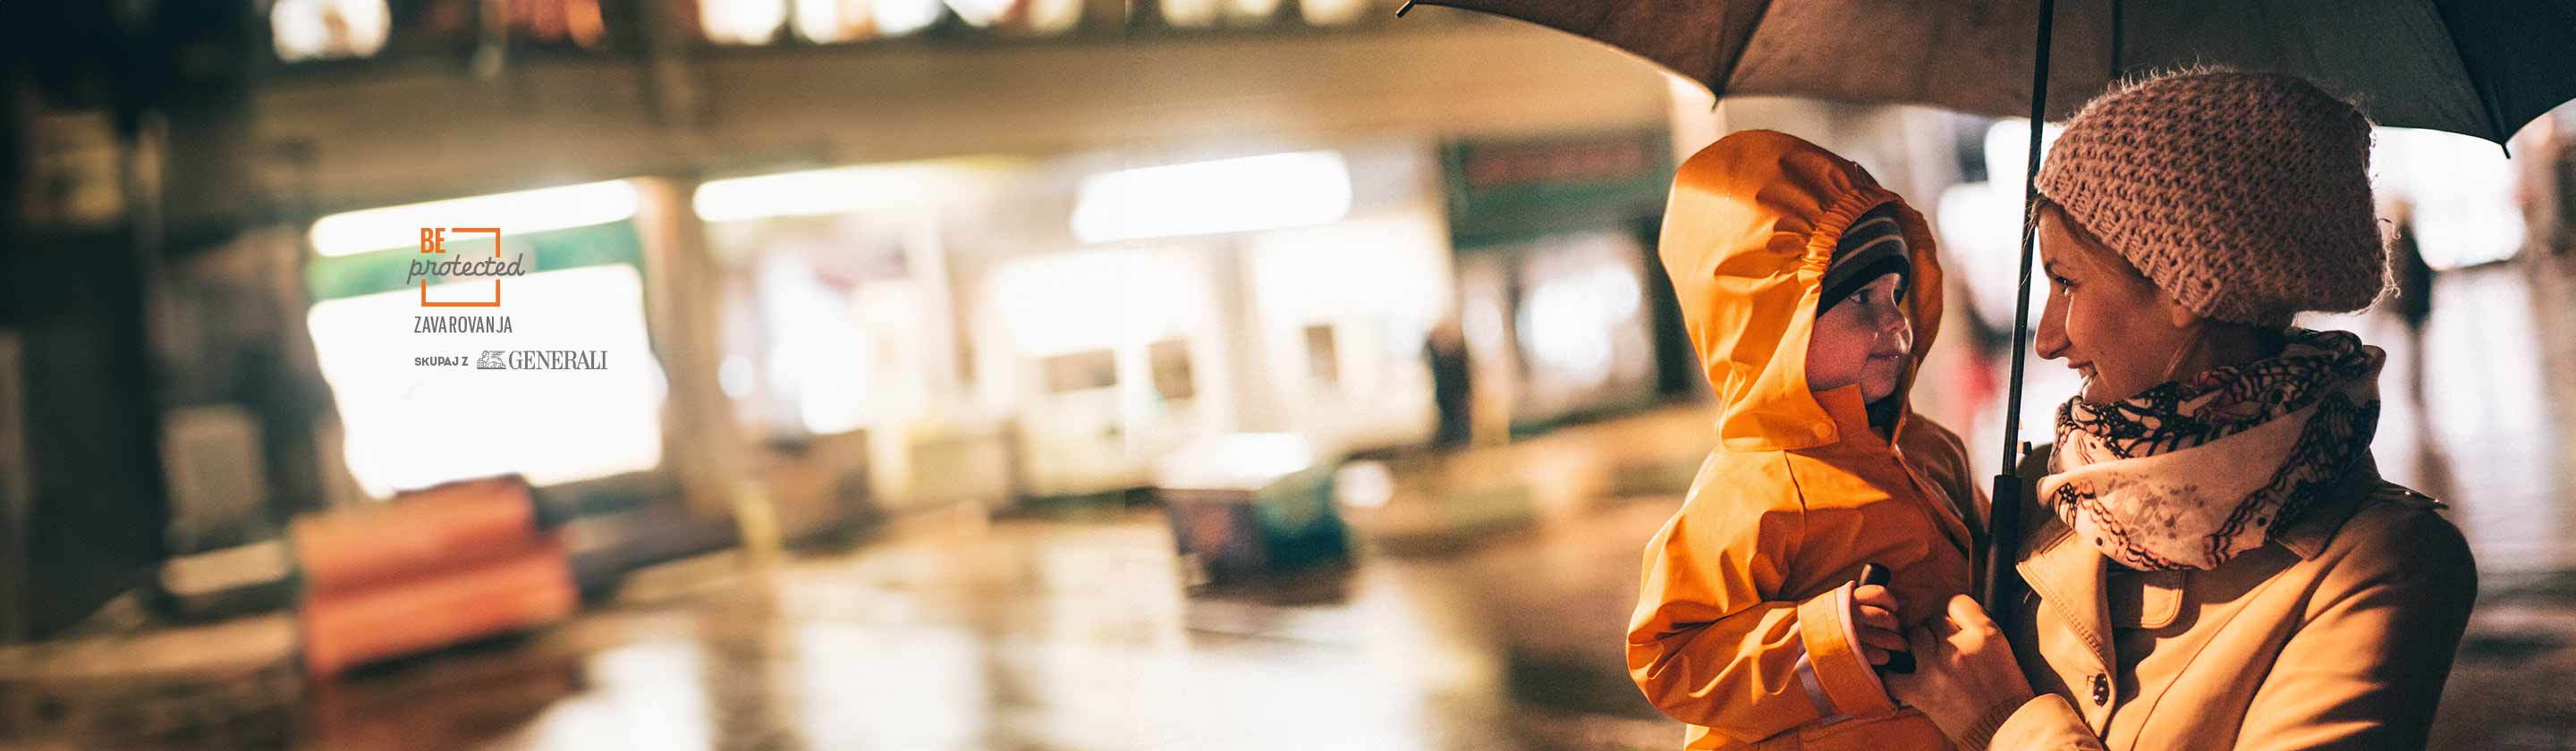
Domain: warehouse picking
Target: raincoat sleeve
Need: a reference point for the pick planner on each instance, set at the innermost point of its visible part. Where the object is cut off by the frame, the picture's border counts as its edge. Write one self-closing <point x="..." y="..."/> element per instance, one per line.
<point x="1714" y="643"/>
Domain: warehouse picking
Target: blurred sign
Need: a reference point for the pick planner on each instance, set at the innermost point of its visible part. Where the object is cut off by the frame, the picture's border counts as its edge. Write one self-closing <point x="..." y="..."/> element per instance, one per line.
<point x="335" y="277"/>
<point x="433" y="241"/>
<point x="1503" y="191"/>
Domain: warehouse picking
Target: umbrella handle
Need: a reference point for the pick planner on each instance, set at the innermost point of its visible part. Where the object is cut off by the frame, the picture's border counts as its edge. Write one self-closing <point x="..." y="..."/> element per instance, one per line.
<point x="1996" y="580"/>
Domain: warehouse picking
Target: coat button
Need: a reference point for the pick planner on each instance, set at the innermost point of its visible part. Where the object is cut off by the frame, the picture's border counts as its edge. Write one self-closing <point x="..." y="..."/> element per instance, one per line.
<point x="2101" y="689"/>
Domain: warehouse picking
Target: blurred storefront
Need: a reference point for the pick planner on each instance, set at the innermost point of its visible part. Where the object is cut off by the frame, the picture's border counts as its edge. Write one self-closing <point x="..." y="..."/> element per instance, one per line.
<point x="1058" y="325"/>
<point x="1013" y="249"/>
<point x="841" y="258"/>
<point x="1560" y="291"/>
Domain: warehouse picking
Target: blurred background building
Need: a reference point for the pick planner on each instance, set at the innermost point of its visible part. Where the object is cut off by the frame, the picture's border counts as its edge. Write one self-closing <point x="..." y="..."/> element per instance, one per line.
<point x="979" y="373"/>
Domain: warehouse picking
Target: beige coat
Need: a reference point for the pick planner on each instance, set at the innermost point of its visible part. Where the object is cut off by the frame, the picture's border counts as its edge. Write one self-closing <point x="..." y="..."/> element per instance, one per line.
<point x="2336" y="635"/>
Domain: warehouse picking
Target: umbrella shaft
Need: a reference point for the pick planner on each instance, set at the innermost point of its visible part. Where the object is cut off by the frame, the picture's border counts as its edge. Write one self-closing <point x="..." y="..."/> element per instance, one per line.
<point x="2006" y="507"/>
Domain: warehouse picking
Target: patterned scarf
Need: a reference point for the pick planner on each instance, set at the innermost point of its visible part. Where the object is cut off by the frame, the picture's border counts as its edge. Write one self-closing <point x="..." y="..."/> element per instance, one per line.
<point x="2193" y="472"/>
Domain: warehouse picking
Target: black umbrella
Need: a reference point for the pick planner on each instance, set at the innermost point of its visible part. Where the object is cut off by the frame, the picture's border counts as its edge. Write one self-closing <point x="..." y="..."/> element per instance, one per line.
<point x="2479" y="67"/>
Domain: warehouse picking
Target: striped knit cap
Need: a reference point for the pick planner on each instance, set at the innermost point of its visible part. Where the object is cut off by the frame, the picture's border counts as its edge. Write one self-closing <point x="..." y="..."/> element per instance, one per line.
<point x="2245" y="196"/>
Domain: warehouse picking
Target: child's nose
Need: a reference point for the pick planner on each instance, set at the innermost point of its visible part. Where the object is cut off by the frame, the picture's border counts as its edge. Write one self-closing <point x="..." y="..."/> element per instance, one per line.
<point x="1897" y="333"/>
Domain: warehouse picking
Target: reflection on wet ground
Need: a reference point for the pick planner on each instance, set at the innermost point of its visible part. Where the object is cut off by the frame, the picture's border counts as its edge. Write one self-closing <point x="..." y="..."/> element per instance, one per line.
<point x="1049" y="634"/>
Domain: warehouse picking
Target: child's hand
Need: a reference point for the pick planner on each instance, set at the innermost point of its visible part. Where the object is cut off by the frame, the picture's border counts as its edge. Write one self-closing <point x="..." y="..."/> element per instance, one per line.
<point x="1874" y="616"/>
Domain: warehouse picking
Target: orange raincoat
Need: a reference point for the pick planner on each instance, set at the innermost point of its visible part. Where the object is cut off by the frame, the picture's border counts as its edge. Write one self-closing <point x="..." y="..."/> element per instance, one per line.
<point x="1742" y="626"/>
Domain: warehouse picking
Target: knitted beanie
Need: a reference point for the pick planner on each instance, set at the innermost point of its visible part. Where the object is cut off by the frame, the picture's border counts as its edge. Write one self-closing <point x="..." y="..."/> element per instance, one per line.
<point x="1874" y="246"/>
<point x="2245" y="196"/>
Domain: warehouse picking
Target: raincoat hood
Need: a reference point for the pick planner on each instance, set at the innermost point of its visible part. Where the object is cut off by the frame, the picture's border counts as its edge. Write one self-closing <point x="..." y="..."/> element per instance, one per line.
<point x="1752" y="223"/>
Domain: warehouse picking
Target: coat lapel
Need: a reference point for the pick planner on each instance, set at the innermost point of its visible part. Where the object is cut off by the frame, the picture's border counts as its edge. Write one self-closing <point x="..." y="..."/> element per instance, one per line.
<point x="2066" y="573"/>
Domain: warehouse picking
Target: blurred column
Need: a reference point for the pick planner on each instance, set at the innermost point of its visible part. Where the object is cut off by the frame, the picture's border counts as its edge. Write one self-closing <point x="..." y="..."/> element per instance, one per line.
<point x="1256" y="391"/>
<point x="683" y="290"/>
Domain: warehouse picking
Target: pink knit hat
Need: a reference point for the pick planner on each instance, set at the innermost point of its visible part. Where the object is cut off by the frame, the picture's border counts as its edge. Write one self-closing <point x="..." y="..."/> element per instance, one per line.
<point x="2246" y="196"/>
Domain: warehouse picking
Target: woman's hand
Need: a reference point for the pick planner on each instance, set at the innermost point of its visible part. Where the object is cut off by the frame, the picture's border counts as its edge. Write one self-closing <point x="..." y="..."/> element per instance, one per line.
<point x="1964" y="676"/>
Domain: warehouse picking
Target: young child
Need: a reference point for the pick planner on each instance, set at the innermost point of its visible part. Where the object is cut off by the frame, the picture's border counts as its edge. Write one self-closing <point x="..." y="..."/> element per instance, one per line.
<point x="1811" y="294"/>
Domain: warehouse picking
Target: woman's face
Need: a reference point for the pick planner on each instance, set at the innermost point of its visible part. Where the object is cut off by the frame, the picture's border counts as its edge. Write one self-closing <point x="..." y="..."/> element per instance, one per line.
<point x="2104" y="318"/>
<point x="1866" y="339"/>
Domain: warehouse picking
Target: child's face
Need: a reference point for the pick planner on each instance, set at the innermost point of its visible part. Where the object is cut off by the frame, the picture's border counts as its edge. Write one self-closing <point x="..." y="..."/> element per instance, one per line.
<point x="1866" y="339"/>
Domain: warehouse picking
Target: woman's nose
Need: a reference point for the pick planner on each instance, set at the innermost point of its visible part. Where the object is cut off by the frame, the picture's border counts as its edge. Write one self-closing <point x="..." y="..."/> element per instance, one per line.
<point x="2050" y="339"/>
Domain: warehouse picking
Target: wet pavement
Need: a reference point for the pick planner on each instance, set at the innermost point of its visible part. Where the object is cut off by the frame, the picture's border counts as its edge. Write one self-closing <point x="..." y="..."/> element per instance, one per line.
<point x="1484" y="611"/>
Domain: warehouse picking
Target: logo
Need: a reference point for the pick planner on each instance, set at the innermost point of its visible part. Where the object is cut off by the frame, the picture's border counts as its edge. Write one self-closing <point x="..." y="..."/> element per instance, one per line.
<point x="433" y="241"/>
<point x="533" y="359"/>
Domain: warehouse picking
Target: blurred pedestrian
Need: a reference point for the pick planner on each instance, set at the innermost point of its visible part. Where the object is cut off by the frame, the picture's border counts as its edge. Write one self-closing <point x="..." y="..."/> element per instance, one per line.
<point x="1812" y="294"/>
<point x="1444" y="349"/>
<point x="2412" y="281"/>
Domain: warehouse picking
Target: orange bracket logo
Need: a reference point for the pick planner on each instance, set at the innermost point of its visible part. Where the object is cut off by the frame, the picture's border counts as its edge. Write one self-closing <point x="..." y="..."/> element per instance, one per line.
<point x="434" y="240"/>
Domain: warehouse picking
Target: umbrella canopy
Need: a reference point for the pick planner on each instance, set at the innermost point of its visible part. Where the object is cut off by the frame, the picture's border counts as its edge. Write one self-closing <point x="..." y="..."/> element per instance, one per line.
<point x="2480" y="67"/>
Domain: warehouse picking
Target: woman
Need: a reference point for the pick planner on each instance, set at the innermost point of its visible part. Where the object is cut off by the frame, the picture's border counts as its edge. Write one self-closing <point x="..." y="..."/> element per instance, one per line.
<point x="2213" y="561"/>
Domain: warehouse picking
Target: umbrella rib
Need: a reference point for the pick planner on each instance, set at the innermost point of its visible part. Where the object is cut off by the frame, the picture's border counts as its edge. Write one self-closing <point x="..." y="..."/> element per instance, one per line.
<point x="2486" y="107"/>
<point x="1738" y="42"/>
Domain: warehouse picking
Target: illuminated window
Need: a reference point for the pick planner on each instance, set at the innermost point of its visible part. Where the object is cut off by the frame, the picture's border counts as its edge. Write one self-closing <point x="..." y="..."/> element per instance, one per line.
<point x="1052" y="16"/>
<point x="1251" y="9"/>
<point x="1081" y="371"/>
<point x="832" y="20"/>
<point x="1323" y="361"/>
<point x="1272" y="191"/>
<point x="1191" y="14"/>
<point x="896" y="18"/>
<point x="741" y="21"/>
<point x="1171" y="363"/>
<point x="410" y="426"/>
<point x="1333" y="12"/>
<point x="421" y="408"/>
<point x="321" y="29"/>
<point x="556" y="21"/>
<point x="2460" y="192"/>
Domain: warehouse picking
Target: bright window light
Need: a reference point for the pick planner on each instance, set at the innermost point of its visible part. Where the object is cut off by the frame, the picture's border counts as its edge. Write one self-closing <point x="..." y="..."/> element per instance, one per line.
<point x="1236" y="461"/>
<point x="741" y="21"/>
<point x="1076" y="302"/>
<point x="828" y="20"/>
<point x="413" y="426"/>
<point x="896" y="18"/>
<point x="1252" y="8"/>
<point x="1191" y="14"/>
<point x="518" y="213"/>
<point x="2008" y="150"/>
<point x="310" y="29"/>
<point x="2461" y="189"/>
<point x="1227" y="195"/>
<point x="1333" y="12"/>
<point x="845" y="189"/>
<point x="1053" y="16"/>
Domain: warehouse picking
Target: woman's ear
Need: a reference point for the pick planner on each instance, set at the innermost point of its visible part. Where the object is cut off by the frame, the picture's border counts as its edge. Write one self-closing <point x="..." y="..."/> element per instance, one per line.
<point x="2175" y="311"/>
